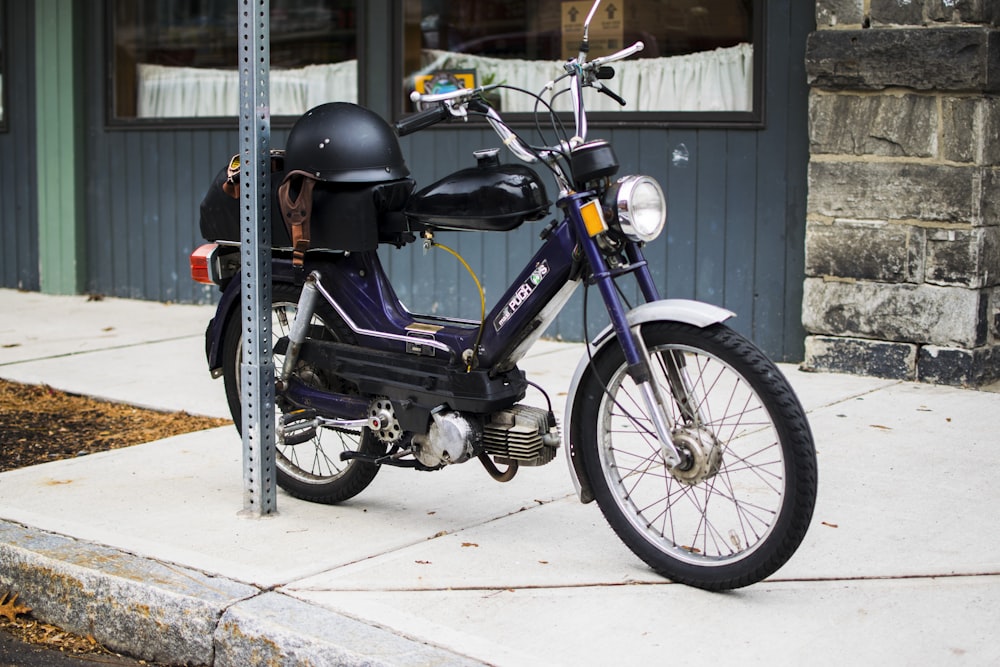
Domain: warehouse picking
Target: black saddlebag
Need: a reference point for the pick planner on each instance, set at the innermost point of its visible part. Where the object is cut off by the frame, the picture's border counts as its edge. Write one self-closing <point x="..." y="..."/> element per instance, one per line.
<point x="345" y="216"/>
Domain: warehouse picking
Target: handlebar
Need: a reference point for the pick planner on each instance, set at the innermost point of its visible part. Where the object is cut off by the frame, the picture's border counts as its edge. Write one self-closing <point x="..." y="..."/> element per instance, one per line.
<point x="422" y="119"/>
<point x="595" y="67"/>
<point x="585" y="74"/>
<point x="596" y="63"/>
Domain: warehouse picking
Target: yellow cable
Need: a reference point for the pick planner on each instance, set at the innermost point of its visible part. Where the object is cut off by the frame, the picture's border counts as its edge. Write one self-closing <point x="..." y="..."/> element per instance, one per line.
<point x="482" y="298"/>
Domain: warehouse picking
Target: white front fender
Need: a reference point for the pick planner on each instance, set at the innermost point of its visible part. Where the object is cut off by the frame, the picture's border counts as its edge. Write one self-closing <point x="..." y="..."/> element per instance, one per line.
<point x="687" y="311"/>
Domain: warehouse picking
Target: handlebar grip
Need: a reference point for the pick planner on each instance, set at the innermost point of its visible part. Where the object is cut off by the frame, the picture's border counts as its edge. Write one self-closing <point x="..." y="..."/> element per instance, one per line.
<point x="422" y="119"/>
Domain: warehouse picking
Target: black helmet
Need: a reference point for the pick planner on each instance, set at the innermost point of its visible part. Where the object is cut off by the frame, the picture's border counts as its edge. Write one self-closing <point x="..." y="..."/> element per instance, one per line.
<point x="341" y="142"/>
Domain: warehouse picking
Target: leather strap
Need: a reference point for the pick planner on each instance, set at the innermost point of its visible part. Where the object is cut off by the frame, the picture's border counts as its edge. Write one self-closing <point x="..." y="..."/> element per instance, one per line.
<point x="232" y="185"/>
<point x="296" y="214"/>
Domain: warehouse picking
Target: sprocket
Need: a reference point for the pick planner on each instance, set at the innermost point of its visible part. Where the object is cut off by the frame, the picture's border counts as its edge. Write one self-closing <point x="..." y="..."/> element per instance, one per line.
<point x="382" y="412"/>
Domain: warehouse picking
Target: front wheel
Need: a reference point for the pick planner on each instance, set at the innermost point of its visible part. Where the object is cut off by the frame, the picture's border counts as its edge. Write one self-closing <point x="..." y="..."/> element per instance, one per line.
<point x="739" y="505"/>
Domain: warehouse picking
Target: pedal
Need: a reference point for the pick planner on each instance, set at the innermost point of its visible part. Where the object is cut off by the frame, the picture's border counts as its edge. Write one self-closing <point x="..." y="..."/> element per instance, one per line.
<point x="297" y="427"/>
<point x="298" y="415"/>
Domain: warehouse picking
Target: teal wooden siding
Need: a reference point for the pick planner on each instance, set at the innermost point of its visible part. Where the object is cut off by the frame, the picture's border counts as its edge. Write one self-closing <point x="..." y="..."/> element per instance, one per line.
<point x="59" y="158"/>
<point x="736" y="205"/>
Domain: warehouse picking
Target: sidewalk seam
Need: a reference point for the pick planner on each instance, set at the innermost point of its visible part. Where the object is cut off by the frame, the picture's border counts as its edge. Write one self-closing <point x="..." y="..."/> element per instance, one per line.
<point x="125" y="346"/>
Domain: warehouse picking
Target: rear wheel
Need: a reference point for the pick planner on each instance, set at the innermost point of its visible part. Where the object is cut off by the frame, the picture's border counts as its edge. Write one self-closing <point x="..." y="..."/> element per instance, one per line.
<point x="739" y="507"/>
<point x="309" y="469"/>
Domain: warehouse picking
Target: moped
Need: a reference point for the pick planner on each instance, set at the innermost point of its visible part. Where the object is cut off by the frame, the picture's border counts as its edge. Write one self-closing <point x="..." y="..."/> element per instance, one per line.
<point x="689" y="438"/>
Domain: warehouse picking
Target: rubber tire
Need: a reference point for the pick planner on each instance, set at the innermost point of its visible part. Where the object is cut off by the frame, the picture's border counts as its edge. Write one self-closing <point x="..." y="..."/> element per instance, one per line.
<point x="678" y="561"/>
<point x="352" y="477"/>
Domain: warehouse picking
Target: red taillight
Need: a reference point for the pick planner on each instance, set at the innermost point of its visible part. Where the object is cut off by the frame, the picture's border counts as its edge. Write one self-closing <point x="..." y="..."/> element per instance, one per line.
<point x="201" y="263"/>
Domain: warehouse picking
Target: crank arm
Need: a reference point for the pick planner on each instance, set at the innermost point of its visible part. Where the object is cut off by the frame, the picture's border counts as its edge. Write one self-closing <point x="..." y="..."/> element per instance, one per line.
<point x="303" y="430"/>
<point x="349" y="423"/>
<point x="394" y="460"/>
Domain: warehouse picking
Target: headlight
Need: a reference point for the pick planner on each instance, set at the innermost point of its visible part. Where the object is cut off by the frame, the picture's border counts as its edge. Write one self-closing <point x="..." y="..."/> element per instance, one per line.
<point x="640" y="207"/>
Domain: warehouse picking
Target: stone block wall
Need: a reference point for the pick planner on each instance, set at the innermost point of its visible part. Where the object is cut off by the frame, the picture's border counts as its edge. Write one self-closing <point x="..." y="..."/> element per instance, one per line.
<point x="903" y="229"/>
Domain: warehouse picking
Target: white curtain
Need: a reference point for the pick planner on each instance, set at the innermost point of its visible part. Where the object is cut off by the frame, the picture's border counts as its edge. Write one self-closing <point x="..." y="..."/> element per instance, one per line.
<point x="170" y="92"/>
<point x="719" y="80"/>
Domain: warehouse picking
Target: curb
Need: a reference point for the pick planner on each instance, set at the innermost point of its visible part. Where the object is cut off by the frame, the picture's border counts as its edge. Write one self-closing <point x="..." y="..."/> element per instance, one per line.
<point x="175" y="615"/>
<point x="275" y="629"/>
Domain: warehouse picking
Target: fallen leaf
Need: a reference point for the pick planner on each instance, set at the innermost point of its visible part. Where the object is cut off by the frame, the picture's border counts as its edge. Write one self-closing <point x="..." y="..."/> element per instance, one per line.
<point x="30" y="631"/>
<point x="469" y="544"/>
<point x="10" y="608"/>
<point x="831" y="525"/>
<point x="544" y="562"/>
<point x="884" y="428"/>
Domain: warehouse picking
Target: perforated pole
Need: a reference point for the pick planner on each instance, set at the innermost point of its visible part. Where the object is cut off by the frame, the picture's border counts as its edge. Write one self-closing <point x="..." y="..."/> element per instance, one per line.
<point x="257" y="368"/>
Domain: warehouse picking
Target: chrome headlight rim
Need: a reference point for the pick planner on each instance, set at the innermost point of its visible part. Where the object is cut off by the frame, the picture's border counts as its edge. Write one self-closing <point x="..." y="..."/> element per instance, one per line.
<point x="640" y="223"/>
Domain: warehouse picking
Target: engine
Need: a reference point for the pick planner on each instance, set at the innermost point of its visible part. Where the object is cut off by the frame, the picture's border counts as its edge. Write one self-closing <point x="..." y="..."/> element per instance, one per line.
<point x="521" y="434"/>
<point x="450" y="439"/>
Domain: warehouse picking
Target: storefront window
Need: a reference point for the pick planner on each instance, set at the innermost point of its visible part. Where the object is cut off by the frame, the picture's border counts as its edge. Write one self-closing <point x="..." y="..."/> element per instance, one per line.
<point x="178" y="59"/>
<point x="698" y="56"/>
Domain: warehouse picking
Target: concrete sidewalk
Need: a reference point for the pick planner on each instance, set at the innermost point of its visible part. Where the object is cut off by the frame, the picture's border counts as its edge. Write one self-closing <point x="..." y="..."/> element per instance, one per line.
<point x="145" y="549"/>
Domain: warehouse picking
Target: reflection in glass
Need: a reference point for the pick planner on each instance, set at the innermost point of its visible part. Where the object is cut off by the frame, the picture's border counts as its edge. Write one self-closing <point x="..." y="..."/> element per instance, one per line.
<point x="179" y="59"/>
<point x="698" y="54"/>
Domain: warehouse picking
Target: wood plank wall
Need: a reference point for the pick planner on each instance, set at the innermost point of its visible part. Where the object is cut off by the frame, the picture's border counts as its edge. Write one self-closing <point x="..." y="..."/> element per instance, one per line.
<point x="735" y="231"/>
<point x="18" y="179"/>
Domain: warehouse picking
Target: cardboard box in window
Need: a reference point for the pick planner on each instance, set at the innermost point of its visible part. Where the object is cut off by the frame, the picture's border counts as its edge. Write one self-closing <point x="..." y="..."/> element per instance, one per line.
<point x="666" y="27"/>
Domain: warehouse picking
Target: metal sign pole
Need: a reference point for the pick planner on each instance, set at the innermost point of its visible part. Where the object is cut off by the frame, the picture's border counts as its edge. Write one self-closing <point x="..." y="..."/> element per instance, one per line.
<point x="257" y="368"/>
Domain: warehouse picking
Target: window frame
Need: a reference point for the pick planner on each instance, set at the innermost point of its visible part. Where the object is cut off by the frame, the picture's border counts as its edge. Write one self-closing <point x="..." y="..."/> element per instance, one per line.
<point x="115" y="122"/>
<point x="389" y="97"/>
<point x="754" y="119"/>
<point x="4" y="74"/>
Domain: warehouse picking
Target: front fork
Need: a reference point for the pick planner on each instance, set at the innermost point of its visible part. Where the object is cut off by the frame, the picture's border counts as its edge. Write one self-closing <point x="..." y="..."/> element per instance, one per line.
<point x="299" y="329"/>
<point x="636" y="354"/>
<point x="301" y="425"/>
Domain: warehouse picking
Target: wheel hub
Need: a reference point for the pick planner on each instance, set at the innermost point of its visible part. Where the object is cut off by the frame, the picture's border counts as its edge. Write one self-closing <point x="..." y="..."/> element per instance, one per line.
<point x="702" y="453"/>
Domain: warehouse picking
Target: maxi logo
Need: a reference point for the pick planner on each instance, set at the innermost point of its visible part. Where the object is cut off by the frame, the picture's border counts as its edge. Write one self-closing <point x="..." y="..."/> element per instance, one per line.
<point x="526" y="289"/>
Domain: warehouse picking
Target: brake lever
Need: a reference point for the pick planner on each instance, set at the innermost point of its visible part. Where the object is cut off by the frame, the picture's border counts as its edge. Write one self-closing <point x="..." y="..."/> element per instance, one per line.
<point x="601" y="88"/>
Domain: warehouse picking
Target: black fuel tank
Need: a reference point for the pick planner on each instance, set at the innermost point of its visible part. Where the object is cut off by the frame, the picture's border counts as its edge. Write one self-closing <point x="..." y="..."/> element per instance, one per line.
<point x="489" y="197"/>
